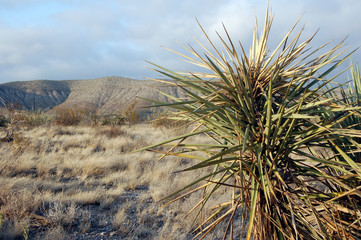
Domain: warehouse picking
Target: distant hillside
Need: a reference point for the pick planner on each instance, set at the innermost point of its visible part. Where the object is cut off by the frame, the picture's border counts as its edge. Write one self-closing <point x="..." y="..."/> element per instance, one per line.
<point x="107" y="94"/>
<point x="42" y="94"/>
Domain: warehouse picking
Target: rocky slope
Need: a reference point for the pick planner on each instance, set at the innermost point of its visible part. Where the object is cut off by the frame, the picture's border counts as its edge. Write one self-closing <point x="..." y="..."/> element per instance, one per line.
<point x="107" y="94"/>
<point x="42" y="94"/>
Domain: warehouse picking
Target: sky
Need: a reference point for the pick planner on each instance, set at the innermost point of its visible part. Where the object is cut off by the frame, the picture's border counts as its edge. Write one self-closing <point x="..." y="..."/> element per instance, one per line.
<point x="86" y="39"/>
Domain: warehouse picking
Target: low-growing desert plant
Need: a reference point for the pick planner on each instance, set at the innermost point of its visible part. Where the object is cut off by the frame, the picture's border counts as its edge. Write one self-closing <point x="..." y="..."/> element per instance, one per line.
<point x="131" y="113"/>
<point x="112" y="119"/>
<point x="36" y="118"/>
<point x="274" y="132"/>
<point x="67" y="116"/>
<point x="13" y="119"/>
<point x="15" y="207"/>
<point x="29" y="118"/>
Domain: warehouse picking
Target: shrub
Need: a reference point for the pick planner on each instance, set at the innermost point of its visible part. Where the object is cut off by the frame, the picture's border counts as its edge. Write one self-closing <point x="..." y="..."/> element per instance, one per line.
<point x="15" y="208"/>
<point x="131" y="113"/>
<point x="12" y="121"/>
<point x="35" y="118"/>
<point x="268" y="117"/>
<point x="112" y="119"/>
<point x="94" y="117"/>
<point x="67" y="116"/>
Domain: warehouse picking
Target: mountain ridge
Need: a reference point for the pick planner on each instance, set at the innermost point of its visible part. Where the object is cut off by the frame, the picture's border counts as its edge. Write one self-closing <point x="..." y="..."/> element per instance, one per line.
<point x="107" y="94"/>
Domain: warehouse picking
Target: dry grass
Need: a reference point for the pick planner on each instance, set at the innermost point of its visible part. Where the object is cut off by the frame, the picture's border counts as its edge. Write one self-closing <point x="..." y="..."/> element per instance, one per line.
<point x="78" y="182"/>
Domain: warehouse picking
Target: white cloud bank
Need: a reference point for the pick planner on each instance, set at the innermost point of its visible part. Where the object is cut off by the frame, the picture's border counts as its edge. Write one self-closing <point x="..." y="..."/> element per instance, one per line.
<point x="87" y="39"/>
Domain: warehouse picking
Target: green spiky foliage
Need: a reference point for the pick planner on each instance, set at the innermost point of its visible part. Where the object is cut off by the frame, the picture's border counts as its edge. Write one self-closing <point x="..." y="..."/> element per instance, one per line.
<point x="347" y="147"/>
<point x="351" y="96"/>
<point x="273" y="131"/>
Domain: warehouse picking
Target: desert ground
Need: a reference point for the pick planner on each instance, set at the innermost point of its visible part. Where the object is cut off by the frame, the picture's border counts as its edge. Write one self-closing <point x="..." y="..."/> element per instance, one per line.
<point x="88" y="182"/>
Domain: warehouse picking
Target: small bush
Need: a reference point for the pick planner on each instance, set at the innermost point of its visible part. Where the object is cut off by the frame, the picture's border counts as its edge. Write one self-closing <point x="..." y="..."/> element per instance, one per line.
<point x="35" y="118"/>
<point x="15" y="208"/>
<point x="70" y="116"/>
<point x="131" y="114"/>
<point x="29" y="118"/>
<point x="94" y="117"/>
<point x="112" y="119"/>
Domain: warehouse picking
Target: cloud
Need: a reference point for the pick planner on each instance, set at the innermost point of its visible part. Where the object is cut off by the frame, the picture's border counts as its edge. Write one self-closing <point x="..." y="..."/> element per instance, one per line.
<point x="88" y="39"/>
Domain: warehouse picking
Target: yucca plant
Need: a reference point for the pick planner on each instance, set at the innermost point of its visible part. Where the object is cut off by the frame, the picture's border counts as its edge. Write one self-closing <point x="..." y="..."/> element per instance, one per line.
<point x="351" y="95"/>
<point x="272" y="132"/>
<point x="348" y="148"/>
